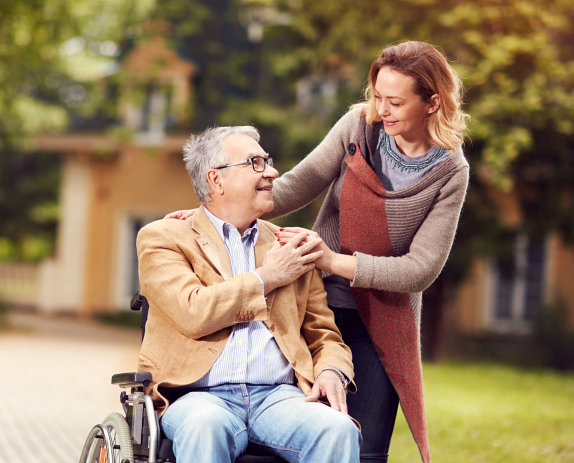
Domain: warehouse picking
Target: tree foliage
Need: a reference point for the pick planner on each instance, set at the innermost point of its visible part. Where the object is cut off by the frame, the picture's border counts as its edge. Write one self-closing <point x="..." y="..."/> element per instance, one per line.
<point x="30" y="73"/>
<point x="514" y="56"/>
<point x="516" y="61"/>
<point x="51" y="51"/>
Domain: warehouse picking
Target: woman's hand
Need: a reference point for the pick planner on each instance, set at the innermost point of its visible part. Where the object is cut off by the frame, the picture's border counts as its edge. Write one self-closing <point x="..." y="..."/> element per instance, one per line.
<point x="330" y="261"/>
<point x="181" y="214"/>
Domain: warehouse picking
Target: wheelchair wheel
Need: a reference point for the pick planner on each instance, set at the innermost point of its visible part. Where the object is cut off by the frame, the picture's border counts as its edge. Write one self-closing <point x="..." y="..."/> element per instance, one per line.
<point x="109" y="442"/>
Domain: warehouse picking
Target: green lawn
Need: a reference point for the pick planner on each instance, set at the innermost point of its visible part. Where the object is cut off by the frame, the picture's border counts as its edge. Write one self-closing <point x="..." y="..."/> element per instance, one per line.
<point x="484" y="413"/>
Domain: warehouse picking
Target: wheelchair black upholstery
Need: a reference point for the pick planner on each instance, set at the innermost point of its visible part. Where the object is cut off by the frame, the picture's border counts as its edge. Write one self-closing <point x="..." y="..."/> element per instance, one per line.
<point x="138" y="436"/>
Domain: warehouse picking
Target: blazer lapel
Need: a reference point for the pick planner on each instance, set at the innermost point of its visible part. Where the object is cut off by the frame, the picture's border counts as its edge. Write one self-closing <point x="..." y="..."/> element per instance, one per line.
<point x="211" y="243"/>
<point x="264" y="242"/>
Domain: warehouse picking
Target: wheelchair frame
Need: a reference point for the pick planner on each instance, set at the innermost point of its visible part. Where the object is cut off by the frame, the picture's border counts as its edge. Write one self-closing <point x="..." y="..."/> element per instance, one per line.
<point x="137" y="435"/>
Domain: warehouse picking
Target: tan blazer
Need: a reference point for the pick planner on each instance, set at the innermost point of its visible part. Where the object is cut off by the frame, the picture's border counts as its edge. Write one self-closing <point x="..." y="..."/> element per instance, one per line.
<point x="185" y="274"/>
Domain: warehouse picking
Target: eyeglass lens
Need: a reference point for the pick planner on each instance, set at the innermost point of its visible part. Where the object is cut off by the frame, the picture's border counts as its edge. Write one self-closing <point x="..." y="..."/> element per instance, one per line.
<point x="258" y="163"/>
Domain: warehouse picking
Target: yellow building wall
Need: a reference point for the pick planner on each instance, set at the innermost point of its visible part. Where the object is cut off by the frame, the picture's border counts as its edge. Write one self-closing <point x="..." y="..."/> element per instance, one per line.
<point x="141" y="182"/>
<point x="561" y="277"/>
<point x="470" y="301"/>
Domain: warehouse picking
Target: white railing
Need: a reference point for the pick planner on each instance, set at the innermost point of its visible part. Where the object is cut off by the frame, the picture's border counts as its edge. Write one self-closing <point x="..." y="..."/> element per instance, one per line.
<point x="19" y="283"/>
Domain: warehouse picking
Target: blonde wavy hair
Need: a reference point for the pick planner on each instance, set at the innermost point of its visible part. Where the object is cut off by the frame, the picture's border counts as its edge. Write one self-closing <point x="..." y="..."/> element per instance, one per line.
<point x="433" y="75"/>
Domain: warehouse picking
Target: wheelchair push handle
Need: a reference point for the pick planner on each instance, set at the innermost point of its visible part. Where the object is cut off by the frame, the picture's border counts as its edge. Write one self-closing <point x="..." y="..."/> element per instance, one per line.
<point x="137" y="302"/>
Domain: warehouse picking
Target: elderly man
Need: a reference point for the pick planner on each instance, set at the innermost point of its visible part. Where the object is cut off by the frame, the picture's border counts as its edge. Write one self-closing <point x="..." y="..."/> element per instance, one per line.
<point x="240" y="341"/>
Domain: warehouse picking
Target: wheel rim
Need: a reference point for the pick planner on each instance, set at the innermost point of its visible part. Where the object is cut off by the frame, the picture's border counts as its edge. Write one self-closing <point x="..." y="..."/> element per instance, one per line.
<point x="109" y="442"/>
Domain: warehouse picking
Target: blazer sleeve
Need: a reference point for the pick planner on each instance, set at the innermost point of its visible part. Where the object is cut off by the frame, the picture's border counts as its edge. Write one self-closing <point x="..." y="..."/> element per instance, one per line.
<point x="189" y="294"/>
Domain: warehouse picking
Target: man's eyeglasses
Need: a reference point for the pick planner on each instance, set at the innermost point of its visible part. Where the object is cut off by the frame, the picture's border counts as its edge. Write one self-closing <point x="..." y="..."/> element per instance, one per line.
<point x="257" y="162"/>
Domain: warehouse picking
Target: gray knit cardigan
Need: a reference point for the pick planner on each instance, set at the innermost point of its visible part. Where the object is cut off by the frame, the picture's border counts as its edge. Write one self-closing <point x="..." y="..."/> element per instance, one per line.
<point x="422" y="218"/>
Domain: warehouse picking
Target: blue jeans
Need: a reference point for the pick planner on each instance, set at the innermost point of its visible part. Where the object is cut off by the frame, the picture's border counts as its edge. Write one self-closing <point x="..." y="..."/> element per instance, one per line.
<point x="375" y="404"/>
<point x="214" y="425"/>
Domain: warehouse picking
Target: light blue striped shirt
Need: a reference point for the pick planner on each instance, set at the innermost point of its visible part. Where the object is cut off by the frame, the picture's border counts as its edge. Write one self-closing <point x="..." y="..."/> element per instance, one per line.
<point x="251" y="355"/>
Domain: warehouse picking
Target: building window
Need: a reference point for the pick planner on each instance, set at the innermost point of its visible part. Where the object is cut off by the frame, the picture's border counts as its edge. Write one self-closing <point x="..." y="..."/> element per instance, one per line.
<point x="156" y="117"/>
<point x="318" y="94"/>
<point x="518" y="285"/>
<point x="127" y="279"/>
<point x="148" y="110"/>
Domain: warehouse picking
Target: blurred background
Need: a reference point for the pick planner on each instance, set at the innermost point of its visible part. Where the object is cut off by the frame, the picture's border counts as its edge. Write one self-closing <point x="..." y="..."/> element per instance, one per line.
<point x="98" y="97"/>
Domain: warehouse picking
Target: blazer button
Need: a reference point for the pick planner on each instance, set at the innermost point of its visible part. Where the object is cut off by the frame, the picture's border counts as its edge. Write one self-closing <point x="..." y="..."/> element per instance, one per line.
<point x="294" y="363"/>
<point x="352" y="148"/>
<point x="272" y="328"/>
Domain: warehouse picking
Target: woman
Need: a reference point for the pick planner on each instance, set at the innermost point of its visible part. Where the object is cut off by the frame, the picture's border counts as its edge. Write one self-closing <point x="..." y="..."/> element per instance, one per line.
<point x="397" y="180"/>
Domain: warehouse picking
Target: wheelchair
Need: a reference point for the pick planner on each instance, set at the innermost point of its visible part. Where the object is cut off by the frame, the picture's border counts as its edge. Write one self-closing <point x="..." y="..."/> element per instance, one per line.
<point x="136" y="435"/>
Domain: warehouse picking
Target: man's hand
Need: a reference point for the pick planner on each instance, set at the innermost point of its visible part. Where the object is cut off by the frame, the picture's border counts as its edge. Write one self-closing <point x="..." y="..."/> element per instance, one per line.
<point x="328" y="385"/>
<point x="284" y="264"/>
<point x="181" y="214"/>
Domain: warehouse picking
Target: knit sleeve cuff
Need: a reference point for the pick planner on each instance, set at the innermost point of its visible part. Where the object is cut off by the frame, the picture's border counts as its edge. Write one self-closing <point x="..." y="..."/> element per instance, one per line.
<point x="364" y="271"/>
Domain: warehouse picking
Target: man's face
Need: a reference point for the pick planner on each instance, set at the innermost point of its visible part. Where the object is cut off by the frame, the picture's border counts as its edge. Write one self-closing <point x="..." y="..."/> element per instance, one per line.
<point x="249" y="193"/>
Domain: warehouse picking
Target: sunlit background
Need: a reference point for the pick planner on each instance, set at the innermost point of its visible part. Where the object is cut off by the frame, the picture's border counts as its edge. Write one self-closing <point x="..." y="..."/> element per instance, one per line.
<point x="97" y="98"/>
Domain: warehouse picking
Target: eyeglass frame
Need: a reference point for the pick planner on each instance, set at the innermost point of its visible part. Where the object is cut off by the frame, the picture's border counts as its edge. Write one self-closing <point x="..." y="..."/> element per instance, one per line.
<point x="267" y="161"/>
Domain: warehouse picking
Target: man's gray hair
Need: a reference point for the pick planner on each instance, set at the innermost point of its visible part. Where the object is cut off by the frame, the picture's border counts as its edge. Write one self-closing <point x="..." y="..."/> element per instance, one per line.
<point x="205" y="151"/>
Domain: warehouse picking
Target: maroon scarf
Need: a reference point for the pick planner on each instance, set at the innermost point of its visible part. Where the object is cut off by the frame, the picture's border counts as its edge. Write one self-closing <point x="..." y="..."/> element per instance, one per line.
<point x="388" y="316"/>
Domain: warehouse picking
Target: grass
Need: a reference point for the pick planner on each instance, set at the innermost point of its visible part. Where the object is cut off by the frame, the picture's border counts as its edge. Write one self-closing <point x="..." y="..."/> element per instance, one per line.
<point x="486" y="413"/>
<point x="2" y="315"/>
<point x="129" y="319"/>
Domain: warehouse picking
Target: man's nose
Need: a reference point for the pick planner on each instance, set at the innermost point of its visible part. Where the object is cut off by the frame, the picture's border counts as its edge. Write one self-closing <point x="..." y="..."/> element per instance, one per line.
<point x="270" y="172"/>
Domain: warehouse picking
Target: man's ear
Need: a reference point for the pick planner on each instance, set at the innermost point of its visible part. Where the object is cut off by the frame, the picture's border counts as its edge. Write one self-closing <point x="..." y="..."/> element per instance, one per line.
<point x="433" y="104"/>
<point x="214" y="180"/>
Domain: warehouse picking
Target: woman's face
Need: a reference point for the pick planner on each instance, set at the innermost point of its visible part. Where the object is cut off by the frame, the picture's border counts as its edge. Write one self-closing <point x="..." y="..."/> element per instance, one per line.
<point x="402" y="111"/>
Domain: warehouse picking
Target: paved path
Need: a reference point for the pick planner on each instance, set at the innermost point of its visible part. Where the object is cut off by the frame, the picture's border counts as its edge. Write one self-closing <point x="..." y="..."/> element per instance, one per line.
<point x="55" y="384"/>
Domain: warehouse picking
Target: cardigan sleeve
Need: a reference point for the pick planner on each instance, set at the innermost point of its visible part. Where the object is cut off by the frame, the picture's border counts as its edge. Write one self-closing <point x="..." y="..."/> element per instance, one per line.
<point x="310" y="177"/>
<point x="429" y="249"/>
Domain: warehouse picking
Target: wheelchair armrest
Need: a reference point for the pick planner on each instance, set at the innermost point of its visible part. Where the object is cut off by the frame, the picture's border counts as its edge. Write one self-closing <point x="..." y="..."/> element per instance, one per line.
<point x="132" y="379"/>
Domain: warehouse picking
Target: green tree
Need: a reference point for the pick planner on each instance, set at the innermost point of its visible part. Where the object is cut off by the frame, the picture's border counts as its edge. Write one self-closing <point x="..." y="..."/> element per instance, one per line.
<point x="516" y="61"/>
<point x="515" y="57"/>
<point x="29" y="41"/>
<point x="51" y="51"/>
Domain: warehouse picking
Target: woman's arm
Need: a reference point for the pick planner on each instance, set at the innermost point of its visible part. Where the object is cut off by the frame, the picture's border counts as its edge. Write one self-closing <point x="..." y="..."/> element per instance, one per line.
<point x="428" y="251"/>
<point x="413" y="271"/>
<point x="310" y="177"/>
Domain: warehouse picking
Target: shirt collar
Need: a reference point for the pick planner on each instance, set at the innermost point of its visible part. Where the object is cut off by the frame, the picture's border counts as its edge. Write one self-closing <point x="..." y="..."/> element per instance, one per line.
<point x="223" y="227"/>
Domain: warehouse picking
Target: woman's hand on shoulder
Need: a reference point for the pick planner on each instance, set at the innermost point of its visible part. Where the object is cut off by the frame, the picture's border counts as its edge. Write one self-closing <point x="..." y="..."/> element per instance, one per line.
<point x="181" y="214"/>
<point x="286" y="234"/>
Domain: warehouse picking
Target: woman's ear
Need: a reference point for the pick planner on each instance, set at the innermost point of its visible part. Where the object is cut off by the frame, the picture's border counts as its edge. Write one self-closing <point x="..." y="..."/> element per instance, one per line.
<point x="214" y="180"/>
<point x="433" y="104"/>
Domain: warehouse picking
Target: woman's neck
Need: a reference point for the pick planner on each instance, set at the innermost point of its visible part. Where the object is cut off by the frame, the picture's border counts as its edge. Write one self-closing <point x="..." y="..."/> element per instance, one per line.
<point x="412" y="148"/>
